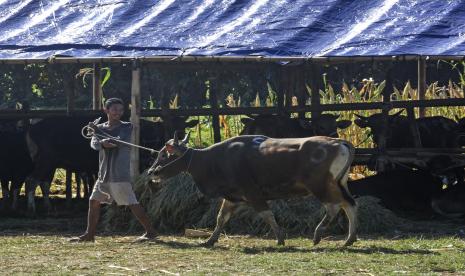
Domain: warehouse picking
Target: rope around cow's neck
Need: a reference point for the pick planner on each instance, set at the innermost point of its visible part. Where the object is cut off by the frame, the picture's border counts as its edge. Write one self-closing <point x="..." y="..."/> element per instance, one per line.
<point x="91" y="132"/>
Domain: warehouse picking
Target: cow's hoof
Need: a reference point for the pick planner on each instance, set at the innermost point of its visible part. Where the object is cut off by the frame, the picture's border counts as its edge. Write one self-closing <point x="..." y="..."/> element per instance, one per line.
<point x="316" y="241"/>
<point x="350" y="241"/>
<point x="208" y="243"/>
<point x="281" y="242"/>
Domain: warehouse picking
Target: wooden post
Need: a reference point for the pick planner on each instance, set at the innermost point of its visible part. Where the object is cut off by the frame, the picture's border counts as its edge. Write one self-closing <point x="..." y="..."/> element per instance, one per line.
<point x="422" y="83"/>
<point x="69" y="86"/>
<point x="135" y="118"/>
<point x="413" y="127"/>
<point x="315" y="89"/>
<point x="281" y="90"/>
<point x="97" y="88"/>
<point x="290" y="81"/>
<point x="382" y="162"/>
<point x="214" y="106"/>
<point x="301" y="89"/>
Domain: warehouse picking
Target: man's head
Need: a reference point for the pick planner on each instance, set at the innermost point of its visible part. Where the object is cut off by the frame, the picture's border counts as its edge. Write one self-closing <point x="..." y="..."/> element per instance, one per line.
<point x="114" y="108"/>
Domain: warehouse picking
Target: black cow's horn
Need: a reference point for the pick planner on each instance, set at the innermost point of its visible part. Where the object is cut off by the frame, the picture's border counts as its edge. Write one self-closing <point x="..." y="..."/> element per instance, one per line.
<point x="360" y="116"/>
<point x="186" y="138"/>
<point x="175" y="139"/>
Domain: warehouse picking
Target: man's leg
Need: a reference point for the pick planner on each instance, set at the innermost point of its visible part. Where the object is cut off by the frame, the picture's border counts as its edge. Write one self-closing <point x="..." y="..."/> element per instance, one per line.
<point x="142" y="217"/>
<point x="92" y="221"/>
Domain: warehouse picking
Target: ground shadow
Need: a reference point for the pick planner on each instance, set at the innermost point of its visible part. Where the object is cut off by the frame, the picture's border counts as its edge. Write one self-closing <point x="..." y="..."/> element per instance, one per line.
<point x="364" y="250"/>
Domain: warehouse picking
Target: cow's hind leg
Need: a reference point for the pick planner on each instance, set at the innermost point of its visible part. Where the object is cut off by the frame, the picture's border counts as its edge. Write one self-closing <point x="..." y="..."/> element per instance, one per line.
<point x="332" y="209"/>
<point x="264" y="211"/>
<point x="350" y="208"/>
<point x="225" y="213"/>
<point x="351" y="212"/>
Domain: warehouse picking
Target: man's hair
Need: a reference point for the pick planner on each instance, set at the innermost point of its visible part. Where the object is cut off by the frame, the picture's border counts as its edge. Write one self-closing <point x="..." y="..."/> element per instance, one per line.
<point x="111" y="101"/>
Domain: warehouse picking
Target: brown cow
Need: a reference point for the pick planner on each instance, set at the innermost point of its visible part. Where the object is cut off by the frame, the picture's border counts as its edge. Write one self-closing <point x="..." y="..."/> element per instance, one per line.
<point x="253" y="169"/>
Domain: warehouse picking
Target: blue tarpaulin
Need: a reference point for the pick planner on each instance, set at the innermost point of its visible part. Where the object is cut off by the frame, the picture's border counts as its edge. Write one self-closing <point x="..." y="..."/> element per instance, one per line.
<point x="304" y="28"/>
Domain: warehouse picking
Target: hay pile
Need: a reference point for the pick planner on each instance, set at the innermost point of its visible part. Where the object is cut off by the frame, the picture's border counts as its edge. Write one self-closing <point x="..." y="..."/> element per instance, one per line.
<point x="178" y="204"/>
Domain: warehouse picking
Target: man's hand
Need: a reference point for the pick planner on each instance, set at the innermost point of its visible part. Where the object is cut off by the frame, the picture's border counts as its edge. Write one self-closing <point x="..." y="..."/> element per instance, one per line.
<point x="93" y="125"/>
<point x="106" y="143"/>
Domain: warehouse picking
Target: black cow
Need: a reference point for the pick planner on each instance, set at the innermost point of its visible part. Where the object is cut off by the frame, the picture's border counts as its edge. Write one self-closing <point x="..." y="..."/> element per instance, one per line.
<point x="450" y="202"/>
<point x="279" y="126"/>
<point x="57" y="143"/>
<point x="400" y="190"/>
<point x="435" y="132"/>
<point x="15" y="161"/>
<point x="253" y="169"/>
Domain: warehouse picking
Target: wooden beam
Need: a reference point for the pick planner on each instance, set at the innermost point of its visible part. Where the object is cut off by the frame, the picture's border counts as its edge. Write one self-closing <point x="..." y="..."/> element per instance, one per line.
<point x="15" y="114"/>
<point x="97" y="88"/>
<point x="227" y="59"/>
<point x="135" y="119"/>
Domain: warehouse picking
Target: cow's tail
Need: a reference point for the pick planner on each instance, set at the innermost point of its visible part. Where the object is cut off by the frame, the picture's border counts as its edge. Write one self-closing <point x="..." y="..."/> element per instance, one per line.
<point x="344" y="173"/>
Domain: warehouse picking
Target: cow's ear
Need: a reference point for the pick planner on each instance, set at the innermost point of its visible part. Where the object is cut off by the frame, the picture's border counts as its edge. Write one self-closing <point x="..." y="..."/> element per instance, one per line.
<point x="341" y="124"/>
<point x="169" y="148"/>
<point x="192" y="123"/>
<point x="246" y="120"/>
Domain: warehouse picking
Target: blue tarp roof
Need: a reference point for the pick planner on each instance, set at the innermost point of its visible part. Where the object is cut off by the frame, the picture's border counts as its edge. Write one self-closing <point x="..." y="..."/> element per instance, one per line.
<point x="105" y="28"/>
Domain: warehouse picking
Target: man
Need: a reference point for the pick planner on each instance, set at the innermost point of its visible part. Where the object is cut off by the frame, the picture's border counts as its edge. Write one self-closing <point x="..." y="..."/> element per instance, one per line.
<point x="114" y="182"/>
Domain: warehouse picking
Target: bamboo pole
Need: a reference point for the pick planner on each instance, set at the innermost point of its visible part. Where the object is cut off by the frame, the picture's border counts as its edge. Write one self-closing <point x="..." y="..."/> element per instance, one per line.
<point x="236" y="59"/>
<point x="69" y="87"/>
<point x="315" y="90"/>
<point x="301" y="93"/>
<point x="97" y="88"/>
<point x="214" y="107"/>
<point x="135" y="118"/>
<point x="422" y="83"/>
<point x="414" y="127"/>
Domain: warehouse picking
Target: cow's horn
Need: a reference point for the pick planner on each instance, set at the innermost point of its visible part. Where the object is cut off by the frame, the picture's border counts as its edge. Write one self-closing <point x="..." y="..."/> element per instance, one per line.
<point x="175" y="139"/>
<point x="360" y="116"/>
<point x="186" y="138"/>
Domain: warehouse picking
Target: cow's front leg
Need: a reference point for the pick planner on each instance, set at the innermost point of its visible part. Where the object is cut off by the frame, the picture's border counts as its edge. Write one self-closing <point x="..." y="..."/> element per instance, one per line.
<point x="31" y="185"/>
<point x="225" y="213"/>
<point x="264" y="211"/>
<point x="331" y="212"/>
<point x="5" y="193"/>
<point x="45" y="188"/>
<point x="16" y="188"/>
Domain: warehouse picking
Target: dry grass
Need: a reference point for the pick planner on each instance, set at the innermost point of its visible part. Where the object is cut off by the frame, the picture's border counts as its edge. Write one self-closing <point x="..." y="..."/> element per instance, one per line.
<point x="26" y="251"/>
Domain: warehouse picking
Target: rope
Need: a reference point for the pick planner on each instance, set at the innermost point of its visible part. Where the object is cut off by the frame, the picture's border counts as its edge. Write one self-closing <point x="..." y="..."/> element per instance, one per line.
<point x="91" y="132"/>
